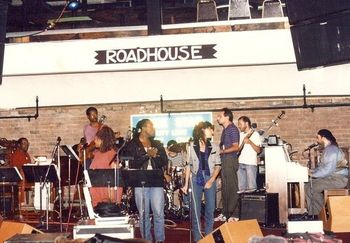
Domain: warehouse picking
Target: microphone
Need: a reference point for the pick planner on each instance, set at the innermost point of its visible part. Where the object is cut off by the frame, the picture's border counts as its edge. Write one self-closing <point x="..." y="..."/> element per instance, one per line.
<point x="58" y="140"/>
<point x="311" y="146"/>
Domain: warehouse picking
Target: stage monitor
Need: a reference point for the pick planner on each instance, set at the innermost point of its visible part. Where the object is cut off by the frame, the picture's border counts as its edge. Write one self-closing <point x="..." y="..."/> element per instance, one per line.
<point x="322" y="43"/>
<point x="301" y="10"/>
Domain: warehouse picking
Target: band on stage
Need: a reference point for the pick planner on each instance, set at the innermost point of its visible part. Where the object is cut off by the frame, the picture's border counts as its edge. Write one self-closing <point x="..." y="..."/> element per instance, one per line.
<point x="204" y="171"/>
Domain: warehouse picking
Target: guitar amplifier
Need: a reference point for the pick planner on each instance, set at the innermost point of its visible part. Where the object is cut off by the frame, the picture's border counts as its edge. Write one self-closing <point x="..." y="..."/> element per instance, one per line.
<point x="260" y="206"/>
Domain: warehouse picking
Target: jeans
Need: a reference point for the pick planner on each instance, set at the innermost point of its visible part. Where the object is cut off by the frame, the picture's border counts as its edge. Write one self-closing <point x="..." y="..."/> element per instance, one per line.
<point x="154" y="198"/>
<point x="209" y="197"/>
<point x="246" y="177"/>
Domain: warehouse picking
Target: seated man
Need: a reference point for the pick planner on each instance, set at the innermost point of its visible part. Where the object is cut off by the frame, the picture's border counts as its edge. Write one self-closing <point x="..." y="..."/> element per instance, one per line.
<point x="17" y="159"/>
<point x="331" y="172"/>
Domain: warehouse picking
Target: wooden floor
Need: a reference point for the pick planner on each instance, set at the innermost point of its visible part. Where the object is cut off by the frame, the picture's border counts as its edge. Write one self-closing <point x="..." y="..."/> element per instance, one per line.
<point x="177" y="231"/>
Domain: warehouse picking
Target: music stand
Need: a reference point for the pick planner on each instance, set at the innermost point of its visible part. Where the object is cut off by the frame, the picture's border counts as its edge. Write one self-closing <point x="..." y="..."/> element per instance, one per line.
<point x="41" y="174"/>
<point x="143" y="178"/>
<point x="102" y="178"/>
<point x="68" y="150"/>
<point x="8" y="175"/>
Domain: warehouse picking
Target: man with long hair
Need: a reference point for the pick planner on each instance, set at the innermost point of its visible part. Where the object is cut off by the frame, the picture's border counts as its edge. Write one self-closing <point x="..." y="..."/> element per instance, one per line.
<point x="331" y="172"/>
<point x="148" y="154"/>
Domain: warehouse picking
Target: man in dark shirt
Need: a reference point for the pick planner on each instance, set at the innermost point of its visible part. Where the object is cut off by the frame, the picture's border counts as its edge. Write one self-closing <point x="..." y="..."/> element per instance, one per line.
<point x="148" y="154"/>
<point x="229" y="146"/>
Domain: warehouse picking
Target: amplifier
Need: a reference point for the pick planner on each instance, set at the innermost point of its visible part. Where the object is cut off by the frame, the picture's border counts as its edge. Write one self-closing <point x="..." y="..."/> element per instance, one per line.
<point x="88" y="228"/>
<point x="260" y="206"/>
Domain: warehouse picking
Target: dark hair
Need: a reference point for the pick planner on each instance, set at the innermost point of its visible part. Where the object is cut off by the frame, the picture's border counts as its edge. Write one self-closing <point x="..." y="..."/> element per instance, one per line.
<point x="90" y="109"/>
<point x="198" y="133"/>
<point x="246" y="119"/>
<point x="142" y="123"/>
<point x="328" y="135"/>
<point x="228" y="112"/>
<point x="173" y="146"/>
<point x="19" y="141"/>
<point x="106" y="134"/>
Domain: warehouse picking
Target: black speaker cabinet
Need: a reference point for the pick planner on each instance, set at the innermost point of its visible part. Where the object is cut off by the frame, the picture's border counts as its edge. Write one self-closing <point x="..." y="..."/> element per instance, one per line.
<point x="301" y="10"/>
<point x="260" y="206"/>
<point x="322" y="44"/>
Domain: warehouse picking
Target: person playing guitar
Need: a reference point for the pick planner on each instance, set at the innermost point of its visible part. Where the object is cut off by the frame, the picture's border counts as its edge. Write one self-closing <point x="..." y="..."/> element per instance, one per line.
<point x="250" y="146"/>
<point x="89" y="132"/>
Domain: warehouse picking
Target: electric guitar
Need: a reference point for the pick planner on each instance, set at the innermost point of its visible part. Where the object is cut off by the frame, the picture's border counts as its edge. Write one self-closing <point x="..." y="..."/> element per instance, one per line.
<point x="243" y="143"/>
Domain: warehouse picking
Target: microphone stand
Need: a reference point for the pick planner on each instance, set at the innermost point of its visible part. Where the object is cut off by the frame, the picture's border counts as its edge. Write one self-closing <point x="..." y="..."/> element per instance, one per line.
<point x="45" y="183"/>
<point x="59" y="187"/>
<point x="311" y="187"/>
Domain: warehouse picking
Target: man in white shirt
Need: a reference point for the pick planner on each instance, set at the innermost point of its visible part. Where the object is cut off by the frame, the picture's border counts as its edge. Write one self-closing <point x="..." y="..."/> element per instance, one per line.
<point x="250" y="146"/>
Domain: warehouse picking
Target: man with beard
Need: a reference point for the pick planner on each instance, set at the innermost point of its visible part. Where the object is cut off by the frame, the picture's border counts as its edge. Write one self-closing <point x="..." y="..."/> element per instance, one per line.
<point x="148" y="154"/>
<point x="331" y="172"/>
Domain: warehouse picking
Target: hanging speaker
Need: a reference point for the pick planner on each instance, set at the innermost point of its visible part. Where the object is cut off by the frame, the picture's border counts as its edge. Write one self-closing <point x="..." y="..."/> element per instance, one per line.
<point x="301" y="10"/>
<point x="3" y="22"/>
<point x="322" y="43"/>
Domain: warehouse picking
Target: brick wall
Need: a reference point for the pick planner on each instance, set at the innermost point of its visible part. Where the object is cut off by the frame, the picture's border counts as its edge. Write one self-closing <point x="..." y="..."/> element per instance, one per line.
<point x="298" y="127"/>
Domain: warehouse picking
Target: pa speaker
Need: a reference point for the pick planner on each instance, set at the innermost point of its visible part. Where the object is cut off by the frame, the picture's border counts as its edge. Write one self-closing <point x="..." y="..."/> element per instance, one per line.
<point x="237" y="232"/>
<point x="301" y="10"/>
<point x="3" y="22"/>
<point x="336" y="214"/>
<point x="154" y="17"/>
<point x="9" y="229"/>
<point x="322" y="44"/>
<point x="262" y="207"/>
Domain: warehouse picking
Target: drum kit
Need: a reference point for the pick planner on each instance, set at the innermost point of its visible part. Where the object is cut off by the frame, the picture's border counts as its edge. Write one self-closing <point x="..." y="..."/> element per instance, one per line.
<point x="176" y="202"/>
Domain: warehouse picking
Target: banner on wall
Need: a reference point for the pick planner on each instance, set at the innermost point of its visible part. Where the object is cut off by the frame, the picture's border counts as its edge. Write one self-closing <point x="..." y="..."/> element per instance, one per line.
<point x="149" y="52"/>
<point x="178" y="126"/>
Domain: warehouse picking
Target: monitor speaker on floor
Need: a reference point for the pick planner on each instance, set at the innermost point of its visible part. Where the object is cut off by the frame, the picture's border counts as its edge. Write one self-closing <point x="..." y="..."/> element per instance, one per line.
<point x="260" y="206"/>
<point x="238" y="232"/>
<point x="8" y="229"/>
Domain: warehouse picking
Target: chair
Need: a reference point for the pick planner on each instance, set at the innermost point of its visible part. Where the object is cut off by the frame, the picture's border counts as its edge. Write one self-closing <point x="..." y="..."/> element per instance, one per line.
<point x="206" y="11"/>
<point x="272" y="8"/>
<point x="237" y="9"/>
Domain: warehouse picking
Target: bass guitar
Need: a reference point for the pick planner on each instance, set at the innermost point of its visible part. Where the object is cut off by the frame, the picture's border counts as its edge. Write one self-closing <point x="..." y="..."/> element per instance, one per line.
<point x="90" y="148"/>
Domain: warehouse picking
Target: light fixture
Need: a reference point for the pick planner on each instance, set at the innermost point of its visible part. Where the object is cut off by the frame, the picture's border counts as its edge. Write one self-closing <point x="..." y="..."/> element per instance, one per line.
<point x="73" y="5"/>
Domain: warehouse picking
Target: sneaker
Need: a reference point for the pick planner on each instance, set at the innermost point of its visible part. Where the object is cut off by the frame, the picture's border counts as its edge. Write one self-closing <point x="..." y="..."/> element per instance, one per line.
<point x="221" y="218"/>
<point x="233" y="219"/>
<point x="240" y="191"/>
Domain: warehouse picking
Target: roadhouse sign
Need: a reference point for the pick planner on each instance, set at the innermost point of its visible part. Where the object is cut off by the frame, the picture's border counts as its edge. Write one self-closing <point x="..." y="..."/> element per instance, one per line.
<point x="156" y="54"/>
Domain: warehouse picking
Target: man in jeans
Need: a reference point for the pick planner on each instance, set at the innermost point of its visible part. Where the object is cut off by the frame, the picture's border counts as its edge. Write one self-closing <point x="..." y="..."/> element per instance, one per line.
<point x="229" y="146"/>
<point x="250" y="146"/>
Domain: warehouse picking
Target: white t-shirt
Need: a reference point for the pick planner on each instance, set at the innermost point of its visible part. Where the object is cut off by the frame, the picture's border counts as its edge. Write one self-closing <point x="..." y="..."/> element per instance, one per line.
<point x="248" y="154"/>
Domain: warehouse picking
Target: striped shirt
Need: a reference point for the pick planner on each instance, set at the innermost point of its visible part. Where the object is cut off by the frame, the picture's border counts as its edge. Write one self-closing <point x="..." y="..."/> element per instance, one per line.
<point x="229" y="136"/>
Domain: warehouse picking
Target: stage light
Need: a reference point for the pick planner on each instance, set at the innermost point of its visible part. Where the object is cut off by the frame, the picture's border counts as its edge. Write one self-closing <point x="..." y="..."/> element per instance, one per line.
<point x="73" y="5"/>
